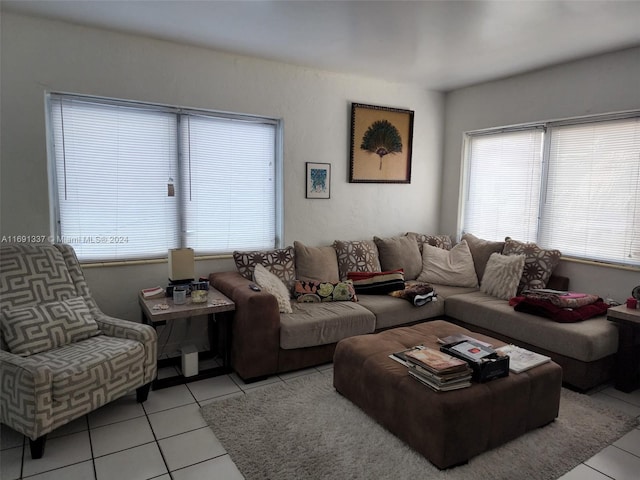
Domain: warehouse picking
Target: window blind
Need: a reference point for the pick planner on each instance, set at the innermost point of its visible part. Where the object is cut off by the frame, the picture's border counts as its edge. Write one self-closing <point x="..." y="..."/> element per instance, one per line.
<point x="591" y="205"/>
<point x="112" y="167"/>
<point x="503" y="185"/>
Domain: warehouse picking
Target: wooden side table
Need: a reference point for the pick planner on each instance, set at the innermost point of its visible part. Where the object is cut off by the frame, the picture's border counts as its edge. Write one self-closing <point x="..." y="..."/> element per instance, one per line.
<point x="218" y="308"/>
<point x="627" y="375"/>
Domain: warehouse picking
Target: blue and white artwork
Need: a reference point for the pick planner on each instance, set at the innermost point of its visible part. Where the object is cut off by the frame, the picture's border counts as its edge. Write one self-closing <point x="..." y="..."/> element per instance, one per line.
<point x="318" y="180"/>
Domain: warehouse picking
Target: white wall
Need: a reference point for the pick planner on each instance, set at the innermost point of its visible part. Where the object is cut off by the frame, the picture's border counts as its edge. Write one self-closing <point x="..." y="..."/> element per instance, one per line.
<point x="40" y="55"/>
<point x="607" y="83"/>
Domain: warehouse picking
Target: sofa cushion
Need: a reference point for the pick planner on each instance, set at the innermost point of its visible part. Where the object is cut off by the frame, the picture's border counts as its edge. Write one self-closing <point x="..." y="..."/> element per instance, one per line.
<point x="586" y="341"/>
<point x="313" y="324"/>
<point x="448" y="267"/>
<point x="400" y="253"/>
<point x="316" y="263"/>
<point x="440" y="241"/>
<point x="273" y="285"/>
<point x="280" y="262"/>
<point x="502" y="275"/>
<point x="538" y="265"/>
<point x="481" y="250"/>
<point x="315" y="292"/>
<point x="356" y="256"/>
<point x="391" y="311"/>
<point x="45" y="326"/>
<point x="377" y="283"/>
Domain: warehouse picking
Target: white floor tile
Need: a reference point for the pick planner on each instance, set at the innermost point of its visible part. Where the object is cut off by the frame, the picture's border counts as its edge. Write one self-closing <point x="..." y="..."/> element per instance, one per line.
<point x="176" y="420"/>
<point x="124" y="408"/>
<point x="633" y="397"/>
<point x="615" y="463"/>
<point x="220" y="468"/>
<point x="218" y="399"/>
<point x="59" y="452"/>
<point x="10" y="463"/>
<point x="167" y="398"/>
<point x="75" y="426"/>
<point x="615" y="402"/>
<point x="167" y="372"/>
<point x="119" y="436"/>
<point x="630" y="442"/>
<point x="9" y="438"/>
<point x="189" y="448"/>
<point x="582" y="472"/>
<point x="248" y="386"/>
<point x="139" y="463"/>
<point x="212" y="387"/>
<point x="79" y="471"/>
<point x="297" y="373"/>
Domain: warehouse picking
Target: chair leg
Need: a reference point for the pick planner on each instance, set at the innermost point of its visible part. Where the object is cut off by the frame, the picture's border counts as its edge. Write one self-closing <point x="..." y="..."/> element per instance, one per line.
<point x="37" y="447"/>
<point x="143" y="392"/>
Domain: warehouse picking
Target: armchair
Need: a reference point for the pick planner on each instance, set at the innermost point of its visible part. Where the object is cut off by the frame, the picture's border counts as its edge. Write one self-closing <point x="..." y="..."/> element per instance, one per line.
<point x="60" y="356"/>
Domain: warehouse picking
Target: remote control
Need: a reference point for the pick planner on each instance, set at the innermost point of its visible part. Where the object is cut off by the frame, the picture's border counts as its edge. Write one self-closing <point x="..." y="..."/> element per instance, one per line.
<point x="254" y="287"/>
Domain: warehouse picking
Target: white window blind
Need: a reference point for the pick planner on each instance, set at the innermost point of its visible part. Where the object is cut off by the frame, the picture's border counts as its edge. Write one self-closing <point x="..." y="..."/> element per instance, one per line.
<point x="132" y="181"/>
<point x="503" y="185"/>
<point x="575" y="187"/>
<point x="229" y="194"/>
<point x="112" y="167"/>
<point x="592" y="201"/>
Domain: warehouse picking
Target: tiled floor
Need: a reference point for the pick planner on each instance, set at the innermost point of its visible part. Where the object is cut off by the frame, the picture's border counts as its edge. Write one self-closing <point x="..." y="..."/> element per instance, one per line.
<point x="166" y="438"/>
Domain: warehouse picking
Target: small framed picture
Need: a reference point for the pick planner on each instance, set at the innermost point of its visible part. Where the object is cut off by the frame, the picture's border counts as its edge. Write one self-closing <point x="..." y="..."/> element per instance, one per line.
<point x="318" y="180"/>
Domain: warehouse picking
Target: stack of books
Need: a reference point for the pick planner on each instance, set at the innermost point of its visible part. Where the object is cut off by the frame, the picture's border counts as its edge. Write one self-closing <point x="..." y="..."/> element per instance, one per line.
<point x="435" y="369"/>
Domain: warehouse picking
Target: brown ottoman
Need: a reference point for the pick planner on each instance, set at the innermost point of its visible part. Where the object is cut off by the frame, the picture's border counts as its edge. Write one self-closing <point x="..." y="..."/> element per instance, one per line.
<point x="448" y="428"/>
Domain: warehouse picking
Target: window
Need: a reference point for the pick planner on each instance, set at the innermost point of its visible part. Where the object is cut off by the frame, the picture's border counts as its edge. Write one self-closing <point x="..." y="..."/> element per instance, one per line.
<point x="571" y="185"/>
<point x="130" y="181"/>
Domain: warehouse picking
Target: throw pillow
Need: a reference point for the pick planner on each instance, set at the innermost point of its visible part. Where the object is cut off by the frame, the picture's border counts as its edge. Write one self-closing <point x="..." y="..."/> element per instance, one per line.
<point x="502" y="275"/>
<point x="280" y="262"/>
<point x="481" y="250"/>
<point x="400" y="253"/>
<point x="448" y="267"/>
<point x="41" y="327"/>
<point x="356" y="256"/>
<point x="538" y="265"/>
<point x="316" y="263"/>
<point x="270" y="283"/>
<point x="314" y="292"/>
<point x="440" y="241"/>
<point x="377" y="283"/>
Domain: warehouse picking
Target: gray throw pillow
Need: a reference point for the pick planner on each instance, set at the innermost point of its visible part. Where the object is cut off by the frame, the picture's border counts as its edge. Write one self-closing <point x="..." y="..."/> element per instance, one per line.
<point x="400" y="253"/>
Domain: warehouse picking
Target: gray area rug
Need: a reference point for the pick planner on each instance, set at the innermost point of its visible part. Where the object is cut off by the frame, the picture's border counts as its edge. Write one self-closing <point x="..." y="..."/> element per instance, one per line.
<point x="305" y="429"/>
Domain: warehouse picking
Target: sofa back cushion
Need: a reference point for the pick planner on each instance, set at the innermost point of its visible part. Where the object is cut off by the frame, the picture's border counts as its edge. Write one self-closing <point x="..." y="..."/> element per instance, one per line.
<point x="481" y="250"/>
<point x="400" y="253"/>
<point x="318" y="264"/>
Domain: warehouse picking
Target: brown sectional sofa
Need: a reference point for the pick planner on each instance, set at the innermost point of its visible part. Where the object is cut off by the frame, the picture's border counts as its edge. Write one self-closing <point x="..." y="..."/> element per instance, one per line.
<point x="267" y="342"/>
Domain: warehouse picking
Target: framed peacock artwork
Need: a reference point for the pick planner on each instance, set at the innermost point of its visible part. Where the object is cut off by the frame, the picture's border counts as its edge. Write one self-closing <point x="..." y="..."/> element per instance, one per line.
<point x="381" y="139"/>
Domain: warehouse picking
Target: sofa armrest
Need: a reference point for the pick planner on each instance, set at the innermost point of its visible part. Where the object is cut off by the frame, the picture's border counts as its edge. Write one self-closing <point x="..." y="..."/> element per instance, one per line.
<point x="256" y="326"/>
<point x="26" y="396"/>
<point x="145" y="334"/>
<point x="558" y="282"/>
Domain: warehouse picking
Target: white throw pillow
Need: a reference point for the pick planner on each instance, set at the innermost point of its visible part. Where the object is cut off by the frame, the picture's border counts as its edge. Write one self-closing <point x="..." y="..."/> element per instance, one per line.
<point x="502" y="275"/>
<point x="448" y="267"/>
<point x="270" y="283"/>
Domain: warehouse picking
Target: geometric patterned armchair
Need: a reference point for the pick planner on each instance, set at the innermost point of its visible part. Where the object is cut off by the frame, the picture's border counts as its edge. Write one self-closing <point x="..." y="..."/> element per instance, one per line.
<point x="60" y="356"/>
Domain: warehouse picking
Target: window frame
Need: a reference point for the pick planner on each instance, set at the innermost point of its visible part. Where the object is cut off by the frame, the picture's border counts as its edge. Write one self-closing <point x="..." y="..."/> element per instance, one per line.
<point x="547" y="127"/>
<point x="181" y="114"/>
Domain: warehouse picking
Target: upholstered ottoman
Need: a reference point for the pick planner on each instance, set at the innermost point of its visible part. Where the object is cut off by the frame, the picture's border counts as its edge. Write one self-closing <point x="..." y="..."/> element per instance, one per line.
<point x="448" y="428"/>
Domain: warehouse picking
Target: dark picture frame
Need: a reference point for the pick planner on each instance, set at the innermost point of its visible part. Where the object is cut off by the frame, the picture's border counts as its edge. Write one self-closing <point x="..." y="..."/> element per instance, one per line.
<point x="318" y="180"/>
<point x="381" y="144"/>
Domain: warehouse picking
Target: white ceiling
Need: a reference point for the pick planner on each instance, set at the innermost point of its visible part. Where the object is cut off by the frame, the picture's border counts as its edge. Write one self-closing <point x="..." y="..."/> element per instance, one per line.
<point x="439" y="44"/>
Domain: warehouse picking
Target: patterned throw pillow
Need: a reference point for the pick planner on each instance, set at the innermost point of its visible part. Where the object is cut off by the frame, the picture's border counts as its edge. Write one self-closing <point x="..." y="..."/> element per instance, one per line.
<point x="400" y="252"/>
<point x="377" y="283"/>
<point x="356" y="256"/>
<point x="45" y="326"/>
<point x="270" y="283"/>
<point x="538" y="265"/>
<point x="316" y="292"/>
<point x="279" y="262"/>
<point x="440" y="241"/>
<point x="502" y="275"/>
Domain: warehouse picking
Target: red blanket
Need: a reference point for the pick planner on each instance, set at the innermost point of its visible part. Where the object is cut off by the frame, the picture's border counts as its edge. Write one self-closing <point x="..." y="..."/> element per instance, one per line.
<point x="544" y="308"/>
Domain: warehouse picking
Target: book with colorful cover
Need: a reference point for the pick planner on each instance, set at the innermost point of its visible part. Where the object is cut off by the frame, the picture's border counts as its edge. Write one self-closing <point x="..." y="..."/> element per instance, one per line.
<point x="436" y="361"/>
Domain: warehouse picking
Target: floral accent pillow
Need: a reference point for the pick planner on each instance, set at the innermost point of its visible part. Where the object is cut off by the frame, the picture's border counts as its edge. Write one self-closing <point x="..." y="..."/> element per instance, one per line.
<point x="538" y="264"/>
<point x="440" y="241"/>
<point x="357" y="256"/>
<point x="279" y="262"/>
<point x="316" y="292"/>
